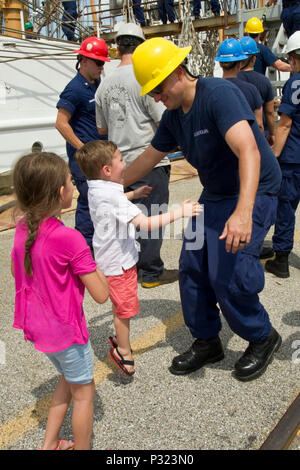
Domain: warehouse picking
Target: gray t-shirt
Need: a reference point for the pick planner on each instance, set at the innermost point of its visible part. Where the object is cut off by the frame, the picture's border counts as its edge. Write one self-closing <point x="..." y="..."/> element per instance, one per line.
<point x="129" y="117"/>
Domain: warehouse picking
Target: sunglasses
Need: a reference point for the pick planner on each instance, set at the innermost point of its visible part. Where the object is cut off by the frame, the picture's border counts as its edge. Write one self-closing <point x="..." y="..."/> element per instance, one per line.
<point x="99" y="63"/>
<point x="156" y="91"/>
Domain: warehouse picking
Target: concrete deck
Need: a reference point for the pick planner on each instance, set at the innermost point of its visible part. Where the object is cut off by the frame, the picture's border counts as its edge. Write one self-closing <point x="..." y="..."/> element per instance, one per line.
<point x="207" y="409"/>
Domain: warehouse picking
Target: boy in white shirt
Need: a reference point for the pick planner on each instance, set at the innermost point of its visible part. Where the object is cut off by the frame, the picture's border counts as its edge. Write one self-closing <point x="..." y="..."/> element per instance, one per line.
<point x="115" y="248"/>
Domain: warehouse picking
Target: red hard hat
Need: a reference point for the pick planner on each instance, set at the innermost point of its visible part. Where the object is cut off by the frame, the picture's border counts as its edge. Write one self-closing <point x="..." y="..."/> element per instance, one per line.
<point x="94" y="48"/>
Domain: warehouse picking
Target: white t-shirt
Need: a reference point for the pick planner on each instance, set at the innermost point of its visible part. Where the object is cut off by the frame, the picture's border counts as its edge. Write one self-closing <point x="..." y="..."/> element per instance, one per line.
<point x="129" y="117"/>
<point x="114" y="241"/>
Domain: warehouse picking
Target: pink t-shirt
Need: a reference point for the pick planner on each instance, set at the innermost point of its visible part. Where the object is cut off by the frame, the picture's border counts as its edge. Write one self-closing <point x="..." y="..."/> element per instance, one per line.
<point x="48" y="305"/>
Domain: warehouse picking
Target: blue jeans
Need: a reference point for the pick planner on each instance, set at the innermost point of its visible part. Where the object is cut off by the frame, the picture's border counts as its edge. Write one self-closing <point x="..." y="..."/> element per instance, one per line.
<point x="150" y="263"/>
<point x="210" y="277"/>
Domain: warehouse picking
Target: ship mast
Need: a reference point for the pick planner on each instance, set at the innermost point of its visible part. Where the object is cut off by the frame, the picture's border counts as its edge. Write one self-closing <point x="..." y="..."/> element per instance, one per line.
<point x="13" y="12"/>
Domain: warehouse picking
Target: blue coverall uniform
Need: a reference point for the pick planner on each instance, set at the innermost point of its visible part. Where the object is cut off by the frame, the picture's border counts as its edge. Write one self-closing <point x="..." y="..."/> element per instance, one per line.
<point x="208" y="274"/>
<point x="166" y="11"/>
<point x="138" y="12"/>
<point x="78" y="98"/>
<point x="289" y="160"/>
<point x="290" y="16"/>
<point x="214" y="4"/>
<point x="68" y="25"/>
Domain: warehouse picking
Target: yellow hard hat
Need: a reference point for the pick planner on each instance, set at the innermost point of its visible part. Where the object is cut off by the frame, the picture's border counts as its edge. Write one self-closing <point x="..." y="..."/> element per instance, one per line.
<point x="254" y="26"/>
<point x="154" y="60"/>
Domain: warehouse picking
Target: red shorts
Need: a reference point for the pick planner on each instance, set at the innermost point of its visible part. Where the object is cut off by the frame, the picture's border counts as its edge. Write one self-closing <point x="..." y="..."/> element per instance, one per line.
<point x="123" y="293"/>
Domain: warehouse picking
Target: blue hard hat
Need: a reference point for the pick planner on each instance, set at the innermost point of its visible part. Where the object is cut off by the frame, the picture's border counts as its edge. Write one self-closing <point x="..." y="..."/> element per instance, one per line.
<point x="249" y="46"/>
<point x="230" y="50"/>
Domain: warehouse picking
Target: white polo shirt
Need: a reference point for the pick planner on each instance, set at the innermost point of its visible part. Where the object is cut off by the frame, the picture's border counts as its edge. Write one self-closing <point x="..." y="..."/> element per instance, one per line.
<point x="114" y="241"/>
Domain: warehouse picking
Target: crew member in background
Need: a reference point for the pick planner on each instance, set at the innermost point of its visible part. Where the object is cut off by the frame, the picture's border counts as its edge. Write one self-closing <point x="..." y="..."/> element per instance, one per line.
<point x="287" y="150"/>
<point x="265" y="58"/>
<point x="230" y="55"/>
<point x="261" y="82"/>
<point x="76" y="120"/>
<point x="166" y="11"/>
<point x="69" y="18"/>
<point x="290" y="15"/>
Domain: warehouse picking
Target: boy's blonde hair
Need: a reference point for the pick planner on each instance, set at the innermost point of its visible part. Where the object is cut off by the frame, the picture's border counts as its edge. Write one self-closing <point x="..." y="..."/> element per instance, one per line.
<point x="92" y="156"/>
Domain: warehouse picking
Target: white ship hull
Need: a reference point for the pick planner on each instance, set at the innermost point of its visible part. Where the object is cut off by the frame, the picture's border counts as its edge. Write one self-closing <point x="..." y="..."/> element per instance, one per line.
<point x="29" y="91"/>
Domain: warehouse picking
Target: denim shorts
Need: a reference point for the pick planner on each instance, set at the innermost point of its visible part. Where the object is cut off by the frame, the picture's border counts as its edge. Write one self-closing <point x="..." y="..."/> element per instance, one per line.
<point x="75" y="363"/>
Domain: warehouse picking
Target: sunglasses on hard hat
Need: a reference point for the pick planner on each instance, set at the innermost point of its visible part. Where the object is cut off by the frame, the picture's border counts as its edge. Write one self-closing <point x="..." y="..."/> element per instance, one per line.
<point x="99" y="63"/>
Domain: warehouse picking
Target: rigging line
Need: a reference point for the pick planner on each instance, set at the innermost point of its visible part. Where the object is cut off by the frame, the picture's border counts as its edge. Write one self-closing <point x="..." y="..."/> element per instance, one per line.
<point x="49" y="16"/>
<point x="39" y="36"/>
<point x="37" y="56"/>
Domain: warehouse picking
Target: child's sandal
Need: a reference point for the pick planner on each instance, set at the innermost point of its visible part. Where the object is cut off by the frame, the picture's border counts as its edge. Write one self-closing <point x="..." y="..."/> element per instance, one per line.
<point x="121" y="362"/>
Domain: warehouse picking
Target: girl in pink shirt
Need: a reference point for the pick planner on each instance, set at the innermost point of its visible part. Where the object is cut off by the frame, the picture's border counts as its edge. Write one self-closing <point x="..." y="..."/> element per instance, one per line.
<point x="52" y="264"/>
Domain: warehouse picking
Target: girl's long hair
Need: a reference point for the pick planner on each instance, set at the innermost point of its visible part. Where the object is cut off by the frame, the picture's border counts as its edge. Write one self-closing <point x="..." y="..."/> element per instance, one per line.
<point x="37" y="179"/>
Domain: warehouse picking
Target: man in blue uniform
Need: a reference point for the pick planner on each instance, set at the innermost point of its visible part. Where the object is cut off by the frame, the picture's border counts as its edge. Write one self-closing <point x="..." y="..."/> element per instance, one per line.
<point x="261" y="82"/>
<point x="287" y="150"/>
<point x="212" y="122"/>
<point x="230" y="55"/>
<point x="214" y="5"/>
<point x="76" y="120"/>
<point x="139" y="12"/>
<point x="166" y="11"/>
<point x="265" y="58"/>
<point x="69" y="18"/>
<point x="290" y="15"/>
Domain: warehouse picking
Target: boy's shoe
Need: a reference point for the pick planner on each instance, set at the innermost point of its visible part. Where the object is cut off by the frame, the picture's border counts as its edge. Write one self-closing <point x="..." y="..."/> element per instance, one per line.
<point x="257" y="357"/>
<point x="167" y="277"/>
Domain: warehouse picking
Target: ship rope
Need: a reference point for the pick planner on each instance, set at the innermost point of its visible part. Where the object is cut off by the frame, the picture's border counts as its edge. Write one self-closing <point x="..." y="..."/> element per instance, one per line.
<point x="204" y="45"/>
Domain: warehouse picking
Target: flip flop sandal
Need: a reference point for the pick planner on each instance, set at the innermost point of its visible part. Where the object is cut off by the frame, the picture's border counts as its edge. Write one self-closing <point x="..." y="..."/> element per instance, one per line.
<point x="62" y="441"/>
<point x="59" y="444"/>
<point x="113" y="342"/>
<point x="121" y="362"/>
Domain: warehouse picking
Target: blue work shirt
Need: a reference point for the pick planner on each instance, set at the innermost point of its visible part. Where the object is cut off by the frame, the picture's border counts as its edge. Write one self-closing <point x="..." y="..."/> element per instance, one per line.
<point x="79" y="99"/>
<point x="217" y="106"/>
<point x="263" y="84"/>
<point x="249" y="91"/>
<point x="264" y="59"/>
<point x="290" y="105"/>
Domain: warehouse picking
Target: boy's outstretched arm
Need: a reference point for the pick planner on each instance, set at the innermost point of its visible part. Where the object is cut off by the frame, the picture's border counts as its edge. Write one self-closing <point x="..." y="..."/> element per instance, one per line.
<point x="187" y="209"/>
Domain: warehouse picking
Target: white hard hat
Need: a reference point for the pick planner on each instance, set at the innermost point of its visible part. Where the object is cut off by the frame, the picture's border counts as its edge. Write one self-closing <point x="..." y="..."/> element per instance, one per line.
<point x="130" y="29"/>
<point x="293" y="43"/>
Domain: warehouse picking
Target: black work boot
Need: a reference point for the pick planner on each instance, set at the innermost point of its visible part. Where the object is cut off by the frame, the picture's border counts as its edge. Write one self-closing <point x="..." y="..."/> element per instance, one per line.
<point x="266" y="252"/>
<point x="257" y="357"/>
<point x="280" y="265"/>
<point x="202" y="351"/>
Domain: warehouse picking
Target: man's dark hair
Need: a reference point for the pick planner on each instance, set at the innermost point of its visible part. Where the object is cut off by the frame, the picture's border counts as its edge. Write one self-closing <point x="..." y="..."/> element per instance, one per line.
<point x="128" y="44"/>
